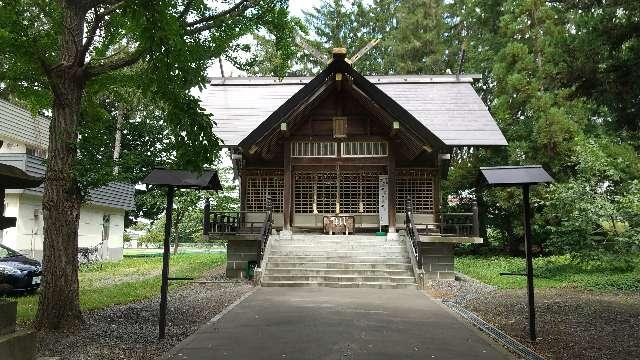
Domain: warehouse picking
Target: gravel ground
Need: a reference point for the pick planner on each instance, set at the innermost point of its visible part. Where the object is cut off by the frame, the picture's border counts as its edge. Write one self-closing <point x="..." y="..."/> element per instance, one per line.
<point x="130" y="331"/>
<point x="459" y="291"/>
<point x="571" y="323"/>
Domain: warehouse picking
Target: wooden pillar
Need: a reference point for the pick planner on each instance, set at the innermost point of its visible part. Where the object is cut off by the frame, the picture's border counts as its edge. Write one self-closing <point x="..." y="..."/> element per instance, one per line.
<point x="391" y="168"/>
<point x="286" y="206"/>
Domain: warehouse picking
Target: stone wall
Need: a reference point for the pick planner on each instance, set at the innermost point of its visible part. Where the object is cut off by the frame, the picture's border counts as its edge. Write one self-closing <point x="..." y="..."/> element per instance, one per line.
<point x="437" y="261"/>
<point x="239" y="253"/>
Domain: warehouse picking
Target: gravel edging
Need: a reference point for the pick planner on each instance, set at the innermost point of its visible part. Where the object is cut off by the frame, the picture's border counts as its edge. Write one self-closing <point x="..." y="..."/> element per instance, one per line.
<point x="459" y="291"/>
<point x="454" y="294"/>
<point x="130" y="331"/>
<point x="571" y="323"/>
<point x="496" y="334"/>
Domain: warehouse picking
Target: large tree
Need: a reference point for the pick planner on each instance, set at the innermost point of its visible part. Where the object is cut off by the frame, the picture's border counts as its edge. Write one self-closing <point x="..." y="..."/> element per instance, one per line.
<point x="57" y="53"/>
<point x="419" y="46"/>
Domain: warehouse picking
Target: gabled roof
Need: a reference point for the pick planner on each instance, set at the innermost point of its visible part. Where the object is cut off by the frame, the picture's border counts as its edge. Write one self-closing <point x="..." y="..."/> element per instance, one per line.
<point x="446" y="106"/>
<point x="21" y="126"/>
<point x="113" y="195"/>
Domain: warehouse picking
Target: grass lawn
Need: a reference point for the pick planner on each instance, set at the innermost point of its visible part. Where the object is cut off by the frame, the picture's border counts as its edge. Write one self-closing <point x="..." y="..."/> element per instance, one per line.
<point x="552" y="272"/>
<point x="125" y="281"/>
<point x="181" y="250"/>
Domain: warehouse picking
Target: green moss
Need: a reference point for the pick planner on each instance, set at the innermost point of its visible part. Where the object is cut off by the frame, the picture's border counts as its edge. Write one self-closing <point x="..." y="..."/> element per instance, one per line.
<point x="554" y="271"/>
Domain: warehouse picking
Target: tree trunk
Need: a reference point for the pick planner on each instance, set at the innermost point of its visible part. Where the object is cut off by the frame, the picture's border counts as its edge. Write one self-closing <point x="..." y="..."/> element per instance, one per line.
<point x="176" y="227"/>
<point x="513" y="241"/>
<point x="118" y="142"/>
<point x="59" y="305"/>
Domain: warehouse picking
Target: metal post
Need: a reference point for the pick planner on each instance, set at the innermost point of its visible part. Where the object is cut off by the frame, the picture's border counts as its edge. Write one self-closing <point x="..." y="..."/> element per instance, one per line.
<point x="527" y="243"/>
<point x="165" y="263"/>
<point x="206" y="227"/>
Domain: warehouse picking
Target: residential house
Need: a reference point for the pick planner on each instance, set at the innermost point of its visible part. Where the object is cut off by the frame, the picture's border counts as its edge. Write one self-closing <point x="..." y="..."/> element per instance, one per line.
<point x="24" y="139"/>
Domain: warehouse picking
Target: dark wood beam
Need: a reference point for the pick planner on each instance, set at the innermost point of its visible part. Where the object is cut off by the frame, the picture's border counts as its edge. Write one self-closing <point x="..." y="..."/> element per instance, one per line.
<point x="288" y="188"/>
<point x="340" y="161"/>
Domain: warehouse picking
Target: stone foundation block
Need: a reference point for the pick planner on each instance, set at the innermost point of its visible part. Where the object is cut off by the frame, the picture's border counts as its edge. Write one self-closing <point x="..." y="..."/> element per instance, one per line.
<point x="239" y="253"/>
<point x="437" y="261"/>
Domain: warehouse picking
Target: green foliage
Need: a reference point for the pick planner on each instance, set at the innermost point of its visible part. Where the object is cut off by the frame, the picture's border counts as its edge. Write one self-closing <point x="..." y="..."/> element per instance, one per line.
<point x="531" y="70"/>
<point x="143" y="62"/>
<point x="601" y="274"/>
<point x="126" y="281"/>
<point x="419" y="43"/>
<point x="334" y="23"/>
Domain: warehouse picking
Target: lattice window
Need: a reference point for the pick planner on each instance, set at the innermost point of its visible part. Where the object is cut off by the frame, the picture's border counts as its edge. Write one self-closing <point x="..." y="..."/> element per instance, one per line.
<point x="313" y="149"/>
<point x="359" y="192"/>
<point x="326" y="192"/>
<point x="418" y="185"/>
<point x="350" y="192"/>
<point x="364" y="149"/>
<point x="319" y="192"/>
<point x="304" y="190"/>
<point x="259" y="188"/>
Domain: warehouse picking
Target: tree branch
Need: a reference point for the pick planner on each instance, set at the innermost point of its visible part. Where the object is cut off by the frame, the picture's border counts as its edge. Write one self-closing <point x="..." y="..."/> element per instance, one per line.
<point x="185" y="10"/>
<point x="92" y="4"/>
<point x="133" y="57"/>
<point x="98" y="18"/>
<point x="241" y="6"/>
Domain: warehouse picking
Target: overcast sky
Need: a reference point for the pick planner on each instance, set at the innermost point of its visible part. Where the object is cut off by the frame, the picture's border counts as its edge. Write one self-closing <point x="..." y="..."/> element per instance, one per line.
<point x="296" y="6"/>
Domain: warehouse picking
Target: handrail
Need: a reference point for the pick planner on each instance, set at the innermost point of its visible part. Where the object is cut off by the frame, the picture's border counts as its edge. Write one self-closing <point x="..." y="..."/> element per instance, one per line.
<point x="463" y="224"/>
<point x="264" y="233"/>
<point x="412" y="233"/>
<point x="228" y="222"/>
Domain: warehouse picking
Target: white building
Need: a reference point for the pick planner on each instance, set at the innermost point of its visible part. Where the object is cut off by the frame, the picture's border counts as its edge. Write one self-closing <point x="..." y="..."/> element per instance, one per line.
<point x="24" y="141"/>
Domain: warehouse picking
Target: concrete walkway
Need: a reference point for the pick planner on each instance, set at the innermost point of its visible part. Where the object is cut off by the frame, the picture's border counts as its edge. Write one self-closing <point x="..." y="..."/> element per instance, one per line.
<point x="338" y="324"/>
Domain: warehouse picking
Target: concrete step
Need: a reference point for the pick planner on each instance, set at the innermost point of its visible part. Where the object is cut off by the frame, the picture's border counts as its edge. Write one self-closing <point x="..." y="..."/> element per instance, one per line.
<point x="336" y="237"/>
<point x="348" y="239"/>
<point x="336" y="272"/>
<point x="339" y="261"/>
<point x="338" y="265"/>
<point x="338" y="258"/>
<point x="345" y="253"/>
<point x="340" y="278"/>
<point x="330" y="246"/>
<point x="375" y="285"/>
<point x="17" y="346"/>
<point x="340" y="241"/>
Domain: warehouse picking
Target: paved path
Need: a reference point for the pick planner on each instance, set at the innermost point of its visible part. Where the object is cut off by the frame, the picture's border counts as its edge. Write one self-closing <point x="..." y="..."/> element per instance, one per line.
<point x="338" y="324"/>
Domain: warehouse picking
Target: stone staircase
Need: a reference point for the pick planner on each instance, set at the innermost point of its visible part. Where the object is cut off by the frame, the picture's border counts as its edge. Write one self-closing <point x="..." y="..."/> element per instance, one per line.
<point x="340" y="261"/>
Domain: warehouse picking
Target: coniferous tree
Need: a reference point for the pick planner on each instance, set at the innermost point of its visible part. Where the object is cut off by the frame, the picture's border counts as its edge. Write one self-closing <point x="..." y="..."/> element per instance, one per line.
<point x="419" y="47"/>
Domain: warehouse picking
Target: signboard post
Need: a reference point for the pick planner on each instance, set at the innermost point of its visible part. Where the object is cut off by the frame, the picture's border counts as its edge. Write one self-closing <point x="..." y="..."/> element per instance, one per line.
<point x="523" y="176"/>
<point x="172" y="180"/>
<point x="383" y="202"/>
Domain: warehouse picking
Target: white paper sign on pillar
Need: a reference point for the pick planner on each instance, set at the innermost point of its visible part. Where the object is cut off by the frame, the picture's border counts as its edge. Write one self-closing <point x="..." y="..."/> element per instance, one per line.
<point x="383" y="199"/>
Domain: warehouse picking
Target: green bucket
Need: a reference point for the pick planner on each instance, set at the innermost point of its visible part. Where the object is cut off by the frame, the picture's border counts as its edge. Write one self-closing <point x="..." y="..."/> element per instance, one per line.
<point x="251" y="269"/>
